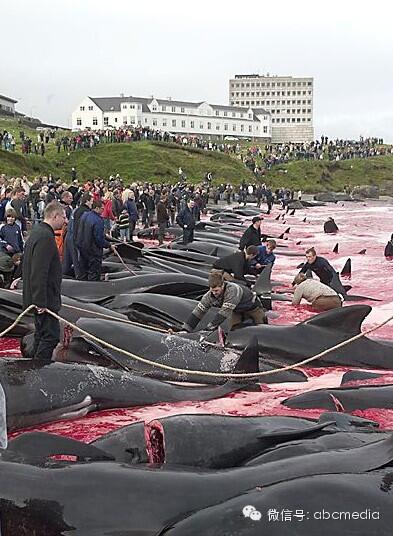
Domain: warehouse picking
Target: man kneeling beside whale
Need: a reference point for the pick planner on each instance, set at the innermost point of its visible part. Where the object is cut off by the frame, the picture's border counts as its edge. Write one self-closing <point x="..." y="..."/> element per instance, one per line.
<point x="235" y="303"/>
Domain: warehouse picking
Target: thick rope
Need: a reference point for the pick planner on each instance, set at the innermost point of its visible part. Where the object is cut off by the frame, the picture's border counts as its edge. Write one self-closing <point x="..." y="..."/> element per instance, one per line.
<point x="122" y="262"/>
<point x="198" y="372"/>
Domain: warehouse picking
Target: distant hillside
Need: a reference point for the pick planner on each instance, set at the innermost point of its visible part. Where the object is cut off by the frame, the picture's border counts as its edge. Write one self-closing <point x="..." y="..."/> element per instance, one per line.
<point x="154" y="161"/>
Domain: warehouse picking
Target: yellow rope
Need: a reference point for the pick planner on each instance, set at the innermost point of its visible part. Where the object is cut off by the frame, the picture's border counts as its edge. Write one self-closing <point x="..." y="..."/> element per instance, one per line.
<point x="199" y="372"/>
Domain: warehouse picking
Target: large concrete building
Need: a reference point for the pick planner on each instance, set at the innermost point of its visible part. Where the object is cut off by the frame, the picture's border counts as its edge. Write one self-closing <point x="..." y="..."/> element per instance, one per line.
<point x="178" y="117"/>
<point x="288" y="99"/>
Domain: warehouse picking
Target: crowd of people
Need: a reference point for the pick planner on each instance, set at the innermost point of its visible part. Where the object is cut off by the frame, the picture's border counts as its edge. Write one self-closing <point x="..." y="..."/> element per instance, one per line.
<point x="261" y="159"/>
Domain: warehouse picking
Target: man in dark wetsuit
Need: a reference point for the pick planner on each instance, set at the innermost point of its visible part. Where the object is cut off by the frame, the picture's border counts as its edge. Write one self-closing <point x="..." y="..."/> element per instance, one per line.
<point x="330" y="226"/>
<point x="235" y="303"/>
<point x="236" y="265"/>
<point x="324" y="270"/>
<point x="252" y="235"/>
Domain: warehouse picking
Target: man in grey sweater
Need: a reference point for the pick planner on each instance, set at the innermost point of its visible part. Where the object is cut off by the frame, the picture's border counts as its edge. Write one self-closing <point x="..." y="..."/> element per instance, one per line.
<point x="321" y="297"/>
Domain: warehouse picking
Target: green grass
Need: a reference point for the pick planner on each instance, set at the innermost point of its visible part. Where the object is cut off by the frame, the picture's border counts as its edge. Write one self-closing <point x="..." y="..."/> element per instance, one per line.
<point x="159" y="162"/>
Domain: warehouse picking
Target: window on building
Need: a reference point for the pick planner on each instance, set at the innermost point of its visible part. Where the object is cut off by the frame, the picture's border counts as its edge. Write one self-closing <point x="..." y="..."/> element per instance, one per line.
<point x="298" y="120"/>
<point x="154" y="108"/>
<point x="265" y="130"/>
<point x="225" y="114"/>
<point x="288" y="111"/>
<point x="253" y="85"/>
<point x="309" y="110"/>
<point x="293" y="120"/>
<point x="217" y="127"/>
<point x="303" y="111"/>
<point x="249" y="128"/>
<point x="164" y="122"/>
<point x="145" y="119"/>
<point x="288" y="120"/>
<point x="124" y="106"/>
<point x="79" y="121"/>
<point x="154" y="122"/>
<point x="273" y="93"/>
<point x="225" y="126"/>
<point x="273" y="111"/>
<point x="201" y="126"/>
<point x="90" y="108"/>
<point x="192" y="124"/>
<point x="303" y="119"/>
<point x="209" y="126"/>
<point x="309" y="83"/>
<point x="183" y="124"/>
<point x="268" y="93"/>
<point x="173" y="108"/>
<point x="182" y="110"/>
<point x="82" y="108"/>
<point x="241" y="128"/>
<point x="258" y="84"/>
<point x="273" y="120"/>
<point x="263" y="103"/>
<point x="253" y="94"/>
<point x="268" y="103"/>
<point x="217" y="112"/>
<point x="234" y="127"/>
<point x="298" y="102"/>
<point x="115" y="120"/>
<point x="265" y="117"/>
<point x="173" y="122"/>
<point x="252" y="103"/>
<point x="163" y="108"/>
<point x="95" y="121"/>
<point x="106" y="120"/>
<point x="132" y="106"/>
<point x="308" y="119"/>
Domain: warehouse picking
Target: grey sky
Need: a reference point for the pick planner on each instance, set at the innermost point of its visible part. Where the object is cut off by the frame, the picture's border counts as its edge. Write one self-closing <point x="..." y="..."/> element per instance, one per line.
<point x="55" y="52"/>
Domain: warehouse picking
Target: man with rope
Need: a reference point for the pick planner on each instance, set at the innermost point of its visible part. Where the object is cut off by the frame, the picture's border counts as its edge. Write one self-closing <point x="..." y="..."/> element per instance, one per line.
<point x="42" y="275"/>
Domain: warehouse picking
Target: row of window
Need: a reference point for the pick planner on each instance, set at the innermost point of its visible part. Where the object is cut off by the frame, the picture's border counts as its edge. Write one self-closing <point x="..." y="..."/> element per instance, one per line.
<point x="273" y="103"/>
<point x="82" y="108"/>
<point x="271" y="84"/>
<point x="183" y="110"/>
<point x="173" y="124"/>
<point x="269" y="93"/>
<point x="293" y="111"/>
<point x="291" y="120"/>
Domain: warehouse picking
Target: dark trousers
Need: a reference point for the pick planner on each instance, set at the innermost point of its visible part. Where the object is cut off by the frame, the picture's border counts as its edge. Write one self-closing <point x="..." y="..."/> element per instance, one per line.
<point x="68" y="258"/>
<point x="46" y="336"/>
<point x="162" y="227"/>
<point x="91" y="264"/>
<point x="188" y="235"/>
<point x="80" y="265"/>
<point x="132" y="229"/>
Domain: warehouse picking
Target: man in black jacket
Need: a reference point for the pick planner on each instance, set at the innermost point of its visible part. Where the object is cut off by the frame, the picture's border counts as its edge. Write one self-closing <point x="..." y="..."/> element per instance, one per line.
<point x="42" y="280"/>
<point x="86" y="204"/>
<point x="236" y="265"/>
<point x="186" y="220"/>
<point x="162" y="218"/>
<point x="252" y="235"/>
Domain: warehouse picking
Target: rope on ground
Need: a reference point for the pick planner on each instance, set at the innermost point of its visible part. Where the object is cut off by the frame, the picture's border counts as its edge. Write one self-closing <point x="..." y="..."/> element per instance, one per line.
<point x="206" y="373"/>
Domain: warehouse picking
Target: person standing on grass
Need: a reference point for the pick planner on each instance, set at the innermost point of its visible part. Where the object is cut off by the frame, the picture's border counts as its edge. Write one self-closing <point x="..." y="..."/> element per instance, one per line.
<point x="42" y="275"/>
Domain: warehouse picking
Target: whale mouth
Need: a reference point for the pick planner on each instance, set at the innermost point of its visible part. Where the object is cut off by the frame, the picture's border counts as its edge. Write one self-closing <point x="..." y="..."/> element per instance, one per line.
<point x="155" y="442"/>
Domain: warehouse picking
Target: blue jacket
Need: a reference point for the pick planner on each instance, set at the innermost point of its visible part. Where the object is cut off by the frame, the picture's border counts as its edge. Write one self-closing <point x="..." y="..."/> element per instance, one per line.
<point x="130" y="206"/>
<point x="90" y="239"/>
<point x="186" y="217"/>
<point x="263" y="257"/>
<point x="12" y="235"/>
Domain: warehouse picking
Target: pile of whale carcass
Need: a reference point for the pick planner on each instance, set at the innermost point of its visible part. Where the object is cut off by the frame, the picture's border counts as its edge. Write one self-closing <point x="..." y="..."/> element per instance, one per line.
<point x="196" y="473"/>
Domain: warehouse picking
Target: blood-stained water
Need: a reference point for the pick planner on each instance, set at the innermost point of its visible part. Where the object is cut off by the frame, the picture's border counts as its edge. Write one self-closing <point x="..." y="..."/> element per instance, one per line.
<point x="364" y="225"/>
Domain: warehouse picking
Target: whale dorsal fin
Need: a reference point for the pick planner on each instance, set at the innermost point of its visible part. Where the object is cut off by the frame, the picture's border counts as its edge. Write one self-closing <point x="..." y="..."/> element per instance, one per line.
<point x="263" y="284"/>
<point x="345" y="319"/>
<point x="249" y="360"/>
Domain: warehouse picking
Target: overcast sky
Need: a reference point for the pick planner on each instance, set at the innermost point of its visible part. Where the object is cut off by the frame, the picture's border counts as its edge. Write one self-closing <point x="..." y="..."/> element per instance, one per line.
<point x="55" y="52"/>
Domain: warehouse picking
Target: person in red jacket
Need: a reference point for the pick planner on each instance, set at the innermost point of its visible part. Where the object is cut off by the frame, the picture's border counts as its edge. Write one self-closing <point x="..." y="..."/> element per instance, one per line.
<point x="107" y="213"/>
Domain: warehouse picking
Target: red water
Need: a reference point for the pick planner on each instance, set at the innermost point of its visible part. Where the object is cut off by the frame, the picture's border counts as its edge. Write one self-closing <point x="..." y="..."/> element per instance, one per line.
<point x="362" y="226"/>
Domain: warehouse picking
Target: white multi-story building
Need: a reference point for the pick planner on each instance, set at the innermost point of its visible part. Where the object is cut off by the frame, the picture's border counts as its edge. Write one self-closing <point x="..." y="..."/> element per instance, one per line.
<point x="178" y="117"/>
<point x="288" y="99"/>
<point x="7" y="105"/>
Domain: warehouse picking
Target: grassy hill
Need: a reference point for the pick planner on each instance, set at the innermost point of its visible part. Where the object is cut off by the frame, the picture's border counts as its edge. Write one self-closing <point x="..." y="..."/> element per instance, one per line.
<point x="154" y="161"/>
